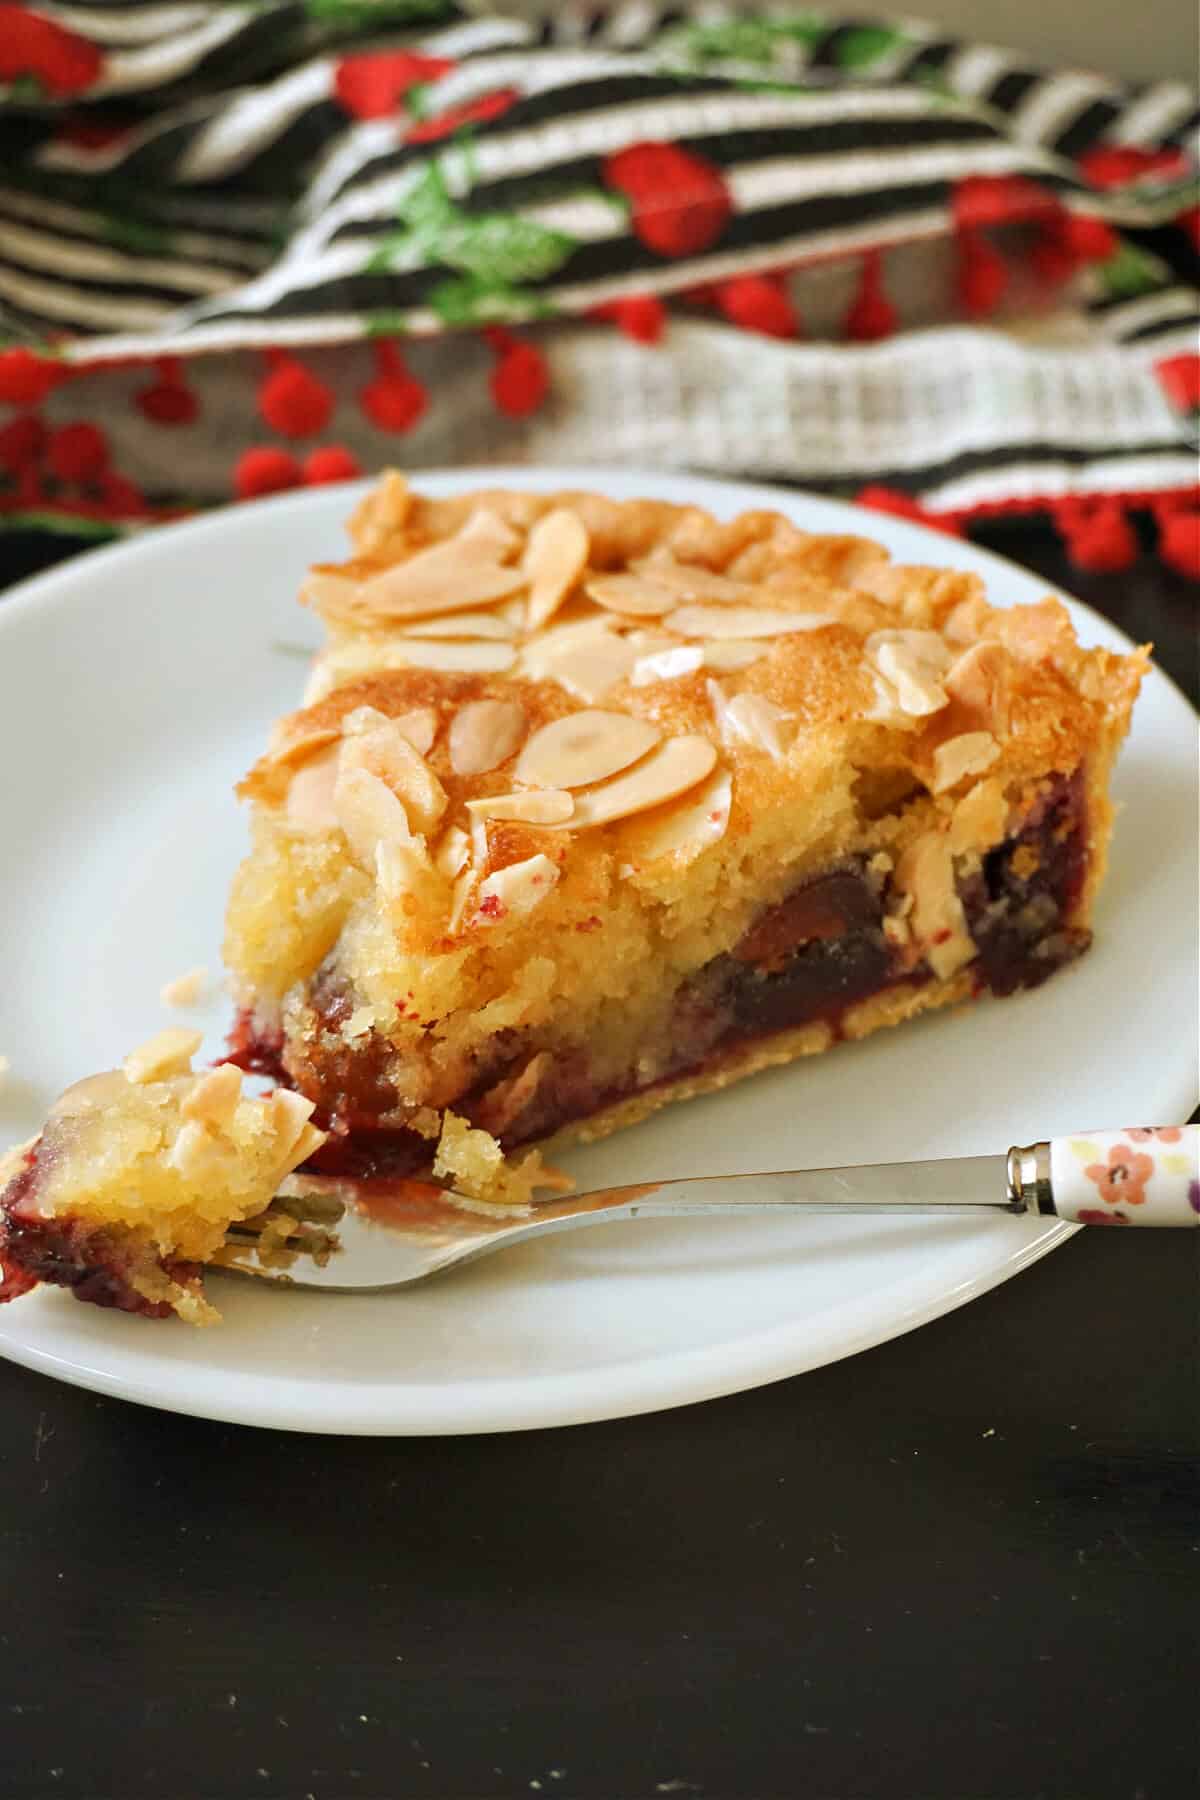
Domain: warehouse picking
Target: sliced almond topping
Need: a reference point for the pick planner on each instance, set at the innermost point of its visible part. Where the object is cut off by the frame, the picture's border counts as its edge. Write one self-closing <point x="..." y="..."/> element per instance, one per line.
<point x="400" y="868"/>
<point x="464" y="887"/>
<point x="555" y="557"/>
<point x="483" y="734"/>
<point x="911" y="664"/>
<point x="361" y="719"/>
<point x="667" y="665"/>
<point x="750" y="719"/>
<point x="685" y="830"/>
<point x="742" y="622"/>
<point x="470" y="657"/>
<point x="584" y="747"/>
<point x="515" y="890"/>
<point x="538" y="806"/>
<point x="419" y="726"/>
<point x="309" y="805"/>
<point x="332" y="595"/>
<point x="968" y="754"/>
<point x="448" y="578"/>
<point x="185" y="990"/>
<point x="381" y="514"/>
<point x="690" y="582"/>
<point x="635" y="595"/>
<point x="968" y="620"/>
<point x="586" y="657"/>
<point x="672" y="768"/>
<point x="214" y="1099"/>
<point x="300" y="744"/>
<point x="731" y="653"/>
<point x="453" y="852"/>
<point x="386" y="752"/>
<point x="290" y="1114"/>
<point x="981" y="681"/>
<point x="485" y="531"/>
<point x="468" y="625"/>
<point x="369" y="813"/>
<point x="198" y="1154"/>
<point x="168" y="1052"/>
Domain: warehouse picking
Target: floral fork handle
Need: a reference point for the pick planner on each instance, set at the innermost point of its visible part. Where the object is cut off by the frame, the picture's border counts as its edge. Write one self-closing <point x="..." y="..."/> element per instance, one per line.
<point x="1144" y="1175"/>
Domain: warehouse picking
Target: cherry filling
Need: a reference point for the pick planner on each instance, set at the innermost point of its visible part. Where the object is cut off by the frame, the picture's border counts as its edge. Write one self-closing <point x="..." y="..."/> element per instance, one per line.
<point x="66" y="1253"/>
<point x="809" y="959"/>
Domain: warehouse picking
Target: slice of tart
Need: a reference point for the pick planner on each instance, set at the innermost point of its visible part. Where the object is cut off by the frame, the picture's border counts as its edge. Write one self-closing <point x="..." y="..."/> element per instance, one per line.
<point x="599" y="805"/>
<point x="137" y="1176"/>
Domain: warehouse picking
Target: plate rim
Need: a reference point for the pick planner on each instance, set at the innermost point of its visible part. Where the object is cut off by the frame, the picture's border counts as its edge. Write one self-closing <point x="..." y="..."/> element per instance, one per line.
<point x="652" y="1383"/>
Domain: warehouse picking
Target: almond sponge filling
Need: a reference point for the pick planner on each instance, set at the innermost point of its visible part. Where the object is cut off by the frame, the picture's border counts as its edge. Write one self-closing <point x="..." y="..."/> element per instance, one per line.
<point x="812" y="959"/>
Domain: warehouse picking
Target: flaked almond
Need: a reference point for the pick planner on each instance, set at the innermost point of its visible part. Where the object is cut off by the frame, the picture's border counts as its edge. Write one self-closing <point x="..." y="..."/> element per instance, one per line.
<point x="671" y="769"/>
<point x="382" y="514"/>
<point x="981" y="681"/>
<point x="448" y="578"/>
<point x="726" y="654"/>
<point x="198" y="1154"/>
<point x="488" y="534"/>
<point x="453" y="853"/>
<point x="369" y="813"/>
<point x="214" y="1099"/>
<point x="309" y="805"/>
<point x="185" y="990"/>
<point x="925" y="870"/>
<point x="691" y="582"/>
<point x="586" y="657"/>
<point x="483" y="734"/>
<point x="387" y="753"/>
<point x="537" y="806"/>
<point x="667" y="665"/>
<point x="516" y="890"/>
<point x="685" y="830"/>
<point x="742" y="622"/>
<point x="555" y="557"/>
<point x="168" y="1052"/>
<point x="332" y="595"/>
<point x="465" y="625"/>
<point x="637" y="596"/>
<point x="911" y="664"/>
<point x="470" y="656"/>
<point x="970" y="753"/>
<point x="293" y="747"/>
<point x="584" y="747"/>
<point x="460" y="897"/>
<point x="750" y="719"/>
<point x="419" y="726"/>
<point x="980" y="818"/>
<point x="968" y="620"/>
<point x="289" y="1114"/>
<point x="400" y="869"/>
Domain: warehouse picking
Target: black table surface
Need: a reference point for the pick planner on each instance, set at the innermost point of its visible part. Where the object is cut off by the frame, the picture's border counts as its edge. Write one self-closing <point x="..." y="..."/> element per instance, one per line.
<point x="961" y="1566"/>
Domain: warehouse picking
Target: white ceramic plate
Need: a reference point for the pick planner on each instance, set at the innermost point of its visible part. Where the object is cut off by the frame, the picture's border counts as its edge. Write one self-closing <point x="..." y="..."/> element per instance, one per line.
<point x="138" y="683"/>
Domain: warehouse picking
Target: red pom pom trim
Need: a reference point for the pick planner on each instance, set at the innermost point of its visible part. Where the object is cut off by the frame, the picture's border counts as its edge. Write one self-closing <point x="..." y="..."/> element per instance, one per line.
<point x="395" y="400"/>
<point x="333" y="462"/>
<point x="265" y="470"/>
<point x="77" y="452"/>
<point x="759" y="303"/>
<point x="291" y="399"/>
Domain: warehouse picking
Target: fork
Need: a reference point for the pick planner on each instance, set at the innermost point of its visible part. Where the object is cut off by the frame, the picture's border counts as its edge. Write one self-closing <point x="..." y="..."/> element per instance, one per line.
<point x="369" y="1236"/>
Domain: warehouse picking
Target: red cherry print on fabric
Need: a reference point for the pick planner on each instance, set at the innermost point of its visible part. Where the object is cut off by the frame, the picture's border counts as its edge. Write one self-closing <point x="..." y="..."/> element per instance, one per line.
<point x="1179" y="541"/>
<point x="1189" y="222"/>
<point x="119" y="497"/>
<point x="265" y="470"/>
<point x="21" y="443"/>
<point x="982" y="276"/>
<point x="1097" y="535"/>
<point x="872" y="315"/>
<point x="520" y="380"/>
<point x="168" y="400"/>
<point x="1180" y="378"/>
<point x="77" y="452"/>
<point x="35" y="47"/>
<point x="642" y="317"/>
<point x="395" y="400"/>
<point x="26" y="379"/>
<point x="903" y="506"/>
<point x="759" y="303"/>
<point x="333" y="462"/>
<point x="679" y="203"/>
<point x="475" y="112"/>
<point x="1000" y="200"/>
<point x="291" y="399"/>
<point x="372" y="86"/>
<point x="1113" y="165"/>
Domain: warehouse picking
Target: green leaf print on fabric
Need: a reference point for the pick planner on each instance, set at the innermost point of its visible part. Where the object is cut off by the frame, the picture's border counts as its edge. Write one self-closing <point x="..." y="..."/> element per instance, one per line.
<point x="357" y="14"/>
<point x="756" y="41"/>
<point x="1131" y="272"/>
<point x="866" y="45"/>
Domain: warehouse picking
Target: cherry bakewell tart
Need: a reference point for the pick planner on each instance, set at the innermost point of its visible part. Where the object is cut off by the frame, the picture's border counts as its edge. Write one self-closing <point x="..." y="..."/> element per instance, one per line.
<point x="596" y="805"/>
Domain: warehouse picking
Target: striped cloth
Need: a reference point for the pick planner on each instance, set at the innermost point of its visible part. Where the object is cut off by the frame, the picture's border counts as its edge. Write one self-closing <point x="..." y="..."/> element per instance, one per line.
<point x="708" y="235"/>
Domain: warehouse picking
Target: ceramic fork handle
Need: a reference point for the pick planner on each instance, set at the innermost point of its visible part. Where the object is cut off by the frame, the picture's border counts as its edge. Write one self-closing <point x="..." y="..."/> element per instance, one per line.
<point x="1144" y="1175"/>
